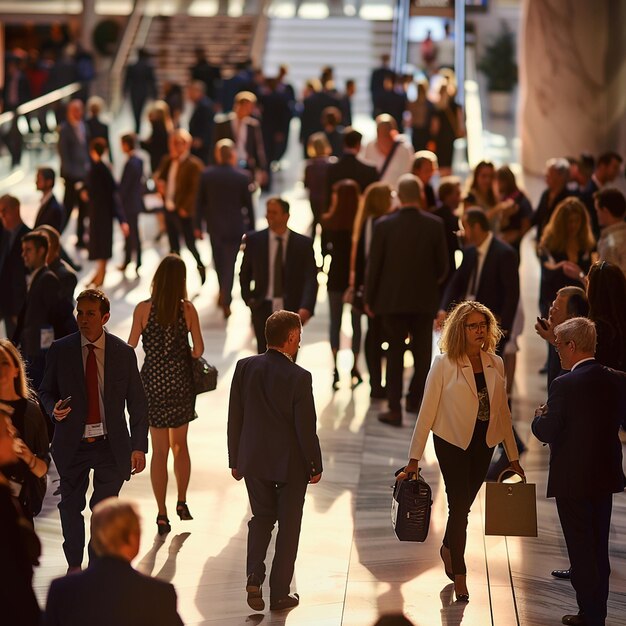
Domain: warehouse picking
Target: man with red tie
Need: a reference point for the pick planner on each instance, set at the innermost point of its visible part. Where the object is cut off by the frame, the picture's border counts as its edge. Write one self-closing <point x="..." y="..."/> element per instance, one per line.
<point x="91" y="377"/>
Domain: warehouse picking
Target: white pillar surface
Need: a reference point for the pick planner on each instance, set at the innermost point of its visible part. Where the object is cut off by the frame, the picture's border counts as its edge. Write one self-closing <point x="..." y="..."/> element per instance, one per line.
<point x="572" y="79"/>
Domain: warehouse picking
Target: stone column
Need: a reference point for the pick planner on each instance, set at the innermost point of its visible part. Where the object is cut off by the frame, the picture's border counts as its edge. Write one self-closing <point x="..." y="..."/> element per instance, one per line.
<point x="572" y="79"/>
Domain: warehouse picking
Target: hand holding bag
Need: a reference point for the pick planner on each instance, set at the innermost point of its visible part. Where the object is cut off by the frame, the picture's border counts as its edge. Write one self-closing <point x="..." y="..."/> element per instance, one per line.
<point x="511" y="508"/>
<point x="410" y="508"/>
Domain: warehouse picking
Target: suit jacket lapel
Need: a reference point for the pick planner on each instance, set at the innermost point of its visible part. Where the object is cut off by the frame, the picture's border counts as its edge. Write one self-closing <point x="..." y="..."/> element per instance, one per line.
<point x="466" y="368"/>
<point x="76" y="363"/>
<point x="485" y="267"/>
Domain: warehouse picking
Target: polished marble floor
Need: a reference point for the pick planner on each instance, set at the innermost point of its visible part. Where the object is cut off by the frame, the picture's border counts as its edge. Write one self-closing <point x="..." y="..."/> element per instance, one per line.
<point x="350" y="567"/>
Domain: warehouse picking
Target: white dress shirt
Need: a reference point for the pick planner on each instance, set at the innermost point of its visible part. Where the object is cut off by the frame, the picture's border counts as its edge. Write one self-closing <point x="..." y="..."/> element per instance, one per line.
<point x="99" y="353"/>
<point x="481" y="251"/>
<point x="277" y="303"/>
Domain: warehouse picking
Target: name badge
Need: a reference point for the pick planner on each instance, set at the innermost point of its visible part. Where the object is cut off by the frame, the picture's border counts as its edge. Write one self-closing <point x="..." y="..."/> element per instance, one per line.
<point x="94" y="430"/>
<point x="46" y="337"/>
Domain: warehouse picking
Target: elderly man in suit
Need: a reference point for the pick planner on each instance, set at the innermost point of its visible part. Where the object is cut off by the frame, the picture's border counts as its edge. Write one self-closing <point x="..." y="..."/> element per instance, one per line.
<point x="177" y="181"/>
<point x="12" y="269"/>
<point x="278" y="271"/>
<point x="131" y="196"/>
<point x="225" y="205"/>
<point x="408" y="261"/>
<point x="245" y="131"/>
<point x="74" y="154"/>
<point x="44" y="315"/>
<point x="108" y="592"/>
<point x="582" y="418"/>
<point x="273" y="446"/>
<point x="91" y="377"/>
<point x="50" y="211"/>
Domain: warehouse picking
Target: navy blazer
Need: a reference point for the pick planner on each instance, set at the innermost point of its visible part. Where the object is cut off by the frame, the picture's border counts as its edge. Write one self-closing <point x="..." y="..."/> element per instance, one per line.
<point x="585" y="409"/>
<point x="110" y="592"/>
<point x="67" y="279"/>
<point x="65" y="376"/>
<point x="255" y="150"/>
<point x="51" y="213"/>
<point x="300" y="278"/>
<point x="408" y="260"/>
<point x="225" y="202"/>
<point x="351" y="167"/>
<point x="201" y="127"/>
<point x="498" y="288"/>
<point x="271" y="419"/>
<point x="130" y="189"/>
<point x="12" y="273"/>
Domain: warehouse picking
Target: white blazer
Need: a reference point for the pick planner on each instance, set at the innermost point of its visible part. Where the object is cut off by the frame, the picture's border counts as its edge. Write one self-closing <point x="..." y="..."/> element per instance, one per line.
<point x="450" y="405"/>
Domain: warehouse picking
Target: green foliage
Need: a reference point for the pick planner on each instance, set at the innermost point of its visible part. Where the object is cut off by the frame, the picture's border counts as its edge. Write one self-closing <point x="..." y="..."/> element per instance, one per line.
<point x="498" y="62"/>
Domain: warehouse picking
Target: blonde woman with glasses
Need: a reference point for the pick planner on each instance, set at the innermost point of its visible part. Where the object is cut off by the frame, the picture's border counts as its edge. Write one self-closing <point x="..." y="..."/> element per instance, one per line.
<point x="465" y="405"/>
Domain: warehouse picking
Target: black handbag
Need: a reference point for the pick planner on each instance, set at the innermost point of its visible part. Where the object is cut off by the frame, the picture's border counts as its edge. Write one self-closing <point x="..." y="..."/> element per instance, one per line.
<point x="410" y="508"/>
<point x="204" y="375"/>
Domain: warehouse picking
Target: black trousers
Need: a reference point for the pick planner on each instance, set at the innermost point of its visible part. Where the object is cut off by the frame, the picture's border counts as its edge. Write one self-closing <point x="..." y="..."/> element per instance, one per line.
<point x="107" y="482"/>
<point x="260" y="314"/>
<point x="177" y="226"/>
<point x="70" y="200"/>
<point x="224" y="257"/>
<point x="463" y="473"/>
<point x="586" y="523"/>
<point x="132" y="243"/>
<point x="374" y="352"/>
<point x="397" y="327"/>
<point x="273" y="502"/>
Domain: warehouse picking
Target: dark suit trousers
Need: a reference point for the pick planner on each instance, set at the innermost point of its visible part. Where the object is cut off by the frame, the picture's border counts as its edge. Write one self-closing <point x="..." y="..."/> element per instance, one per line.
<point x="132" y="243"/>
<point x="70" y="200"/>
<point x="259" y="317"/>
<point x="107" y="482"/>
<point x="463" y="473"/>
<point x="177" y="226"/>
<point x="224" y="257"/>
<point x="270" y="503"/>
<point x="586" y="523"/>
<point x="397" y="327"/>
<point x="374" y="352"/>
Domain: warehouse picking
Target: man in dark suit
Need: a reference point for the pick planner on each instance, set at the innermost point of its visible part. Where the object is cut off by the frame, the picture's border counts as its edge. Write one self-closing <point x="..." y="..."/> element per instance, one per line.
<point x="425" y="166"/>
<point x="12" y="269"/>
<point x="140" y="85"/>
<point x="131" y="196"/>
<point x="111" y="591"/>
<point x="449" y="200"/>
<point x="349" y="165"/>
<point x="201" y="121"/>
<point x="74" y="156"/>
<point x="408" y="261"/>
<point x="44" y="315"/>
<point x="245" y="132"/>
<point x="582" y="417"/>
<point x="210" y="75"/>
<point x="273" y="445"/>
<point x="489" y="274"/>
<point x="177" y="181"/>
<point x="50" y="211"/>
<point x="225" y="205"/>
<point x="391" y="100"/>
<point x="312" y="108"/>
<point x="267" y="284"/>
<point x="376" y="81"/>
<point x="98" y="373"/>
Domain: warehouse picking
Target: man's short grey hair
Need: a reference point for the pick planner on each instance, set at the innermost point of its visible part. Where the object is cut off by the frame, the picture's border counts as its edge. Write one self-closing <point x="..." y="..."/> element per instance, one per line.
<point x="410" y="190"/>
<point x="580" y="330"/>
<point x="560" y="165"/>
<point x="113" y="522"/>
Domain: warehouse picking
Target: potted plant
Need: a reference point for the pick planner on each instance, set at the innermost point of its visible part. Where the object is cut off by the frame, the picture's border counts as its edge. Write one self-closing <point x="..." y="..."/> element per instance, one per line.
<point x="499" y="67"/>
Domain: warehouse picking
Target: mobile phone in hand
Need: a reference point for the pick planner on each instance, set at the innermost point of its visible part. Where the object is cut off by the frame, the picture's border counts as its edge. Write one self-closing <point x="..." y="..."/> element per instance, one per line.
<point x="64" y="403"/>
<point x="543" y="323"/>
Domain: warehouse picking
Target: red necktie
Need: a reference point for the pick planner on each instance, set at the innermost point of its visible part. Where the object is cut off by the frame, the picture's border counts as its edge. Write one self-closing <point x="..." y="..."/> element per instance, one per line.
<point x="93" y="395"/>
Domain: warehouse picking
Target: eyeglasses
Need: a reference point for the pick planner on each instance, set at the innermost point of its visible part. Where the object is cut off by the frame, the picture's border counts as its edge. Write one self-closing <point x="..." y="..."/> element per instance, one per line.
<point x="477" y="326"/>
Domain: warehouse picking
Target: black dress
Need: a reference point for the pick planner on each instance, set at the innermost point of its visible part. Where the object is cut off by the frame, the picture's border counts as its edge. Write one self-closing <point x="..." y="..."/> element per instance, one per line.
<point x="104" y="204"/>
<point x="166" y="372"/>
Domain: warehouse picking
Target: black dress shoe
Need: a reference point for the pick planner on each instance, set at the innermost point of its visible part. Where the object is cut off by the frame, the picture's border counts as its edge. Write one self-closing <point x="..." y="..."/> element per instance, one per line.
<point x="563" y="574"/>
<point x="391" y="418"/>
<point x="574" y="620"/>
<point x="255" y="595"/>
<point x="411" y="406"/>
<point x="282" y="604"/>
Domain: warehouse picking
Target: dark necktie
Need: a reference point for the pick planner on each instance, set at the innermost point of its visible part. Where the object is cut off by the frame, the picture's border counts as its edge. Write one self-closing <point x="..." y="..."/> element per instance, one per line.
<point x="474" y="279"/>
<point x="91" y="378"/>
<point x="278" y="269"/>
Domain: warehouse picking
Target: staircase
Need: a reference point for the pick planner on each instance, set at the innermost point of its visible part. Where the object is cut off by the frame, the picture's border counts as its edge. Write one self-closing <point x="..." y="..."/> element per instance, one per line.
<point x="351" y="45"/>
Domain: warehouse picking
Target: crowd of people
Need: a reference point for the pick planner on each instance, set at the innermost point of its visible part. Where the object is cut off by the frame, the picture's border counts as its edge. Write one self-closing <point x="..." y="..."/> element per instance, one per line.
<point x="390" y="241"/>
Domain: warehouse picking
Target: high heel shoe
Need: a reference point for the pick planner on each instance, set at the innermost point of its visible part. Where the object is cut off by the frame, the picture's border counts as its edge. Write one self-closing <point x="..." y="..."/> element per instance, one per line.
<point x="461" y="596"/>
<point x="335" y="379"/>
<point x="183" y="510"/>
<point x="163" y="524"/>
<point x="357" y="379"/>
<point x="449" y="574"/>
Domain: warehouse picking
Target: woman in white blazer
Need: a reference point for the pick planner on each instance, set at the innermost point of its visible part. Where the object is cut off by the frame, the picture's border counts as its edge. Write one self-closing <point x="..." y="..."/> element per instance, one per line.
<point x="465" y="405"/>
